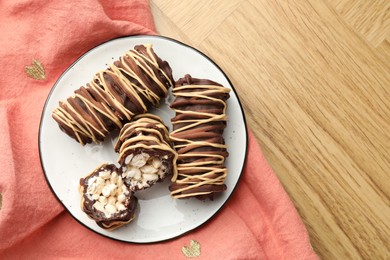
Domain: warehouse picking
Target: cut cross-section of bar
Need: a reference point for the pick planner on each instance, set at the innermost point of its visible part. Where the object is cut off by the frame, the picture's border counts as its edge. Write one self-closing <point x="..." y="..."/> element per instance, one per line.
<point x="145" y="152"/>
<point x="198" y="127"/>
<point x="106" y="198"/>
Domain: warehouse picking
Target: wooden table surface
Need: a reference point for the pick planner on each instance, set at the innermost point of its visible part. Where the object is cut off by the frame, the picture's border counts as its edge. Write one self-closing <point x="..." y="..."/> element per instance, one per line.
<point x="314" y="80"/>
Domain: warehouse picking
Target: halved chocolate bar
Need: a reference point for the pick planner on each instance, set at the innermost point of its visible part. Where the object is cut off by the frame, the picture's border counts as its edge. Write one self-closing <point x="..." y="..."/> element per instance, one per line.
<point x="106" y="198"/>
<point x="130" y="86"/>
<point x="145" y="152"/>
<point x="198" y="126"/>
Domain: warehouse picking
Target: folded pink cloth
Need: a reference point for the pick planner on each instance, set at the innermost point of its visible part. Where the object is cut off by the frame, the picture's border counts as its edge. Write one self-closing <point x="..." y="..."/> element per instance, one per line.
<point x="258" y="222"/>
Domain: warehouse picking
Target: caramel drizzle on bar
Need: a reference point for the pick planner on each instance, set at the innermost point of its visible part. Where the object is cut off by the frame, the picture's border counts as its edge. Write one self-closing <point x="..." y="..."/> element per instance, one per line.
<point x="208" y="172"/>
<point x="83" y="119"/>
<point x="152" y="131"/>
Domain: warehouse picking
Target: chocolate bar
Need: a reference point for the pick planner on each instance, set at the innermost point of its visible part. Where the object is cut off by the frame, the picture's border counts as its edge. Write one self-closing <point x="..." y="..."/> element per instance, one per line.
<point x="130" y="86"/>
<point x="145" y="152"/>
<point x="200" y="106"/>
<point x="106" y="198"/>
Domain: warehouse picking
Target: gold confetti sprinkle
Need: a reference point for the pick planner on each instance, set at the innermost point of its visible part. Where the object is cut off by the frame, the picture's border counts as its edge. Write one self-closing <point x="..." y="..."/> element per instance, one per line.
<point x="35" y="71"/>
<point x="193" y="250"/>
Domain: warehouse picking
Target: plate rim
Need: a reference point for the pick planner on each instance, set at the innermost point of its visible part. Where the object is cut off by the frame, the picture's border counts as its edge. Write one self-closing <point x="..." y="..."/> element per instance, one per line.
<point x="55" y="85"/>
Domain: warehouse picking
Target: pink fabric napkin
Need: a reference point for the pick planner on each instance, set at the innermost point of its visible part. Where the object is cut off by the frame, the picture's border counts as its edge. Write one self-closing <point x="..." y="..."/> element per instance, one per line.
<point x="258" y="222"/>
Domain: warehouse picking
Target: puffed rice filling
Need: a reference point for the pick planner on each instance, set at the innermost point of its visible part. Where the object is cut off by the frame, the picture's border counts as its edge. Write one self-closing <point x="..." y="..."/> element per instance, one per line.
<point x="108" y="191"/>
<point x="143" y="170"/>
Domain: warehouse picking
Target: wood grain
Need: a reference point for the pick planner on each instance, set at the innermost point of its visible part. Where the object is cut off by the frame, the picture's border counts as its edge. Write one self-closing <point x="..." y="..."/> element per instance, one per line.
<point x="315" y="87"/>
<point x="369" y="18"/>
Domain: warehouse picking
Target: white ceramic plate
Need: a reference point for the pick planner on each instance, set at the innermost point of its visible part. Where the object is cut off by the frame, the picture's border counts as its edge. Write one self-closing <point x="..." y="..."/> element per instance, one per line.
<point x="64" y="161"/>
